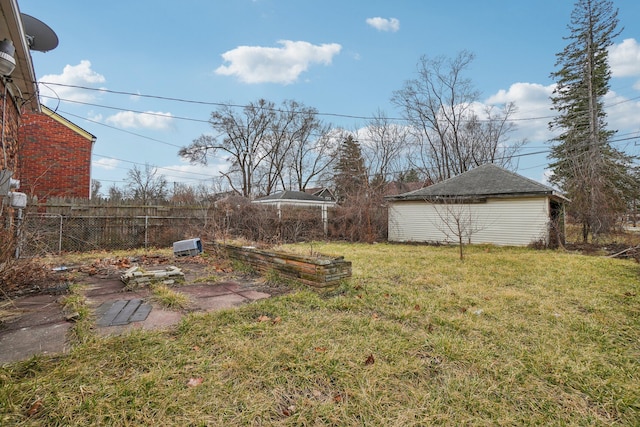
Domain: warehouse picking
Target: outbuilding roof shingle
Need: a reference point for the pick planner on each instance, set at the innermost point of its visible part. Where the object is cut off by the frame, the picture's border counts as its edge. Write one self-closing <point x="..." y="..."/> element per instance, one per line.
<point x="483" y="181"/>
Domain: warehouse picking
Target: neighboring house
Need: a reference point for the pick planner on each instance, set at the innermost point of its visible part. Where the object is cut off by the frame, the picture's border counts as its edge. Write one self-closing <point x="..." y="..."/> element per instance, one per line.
<point x="322" y="192"/>
<point x="487" y="204"/>
<point x="54" y="156"/>
<point x="299" y="199"/>
<point x="19" y="95"/>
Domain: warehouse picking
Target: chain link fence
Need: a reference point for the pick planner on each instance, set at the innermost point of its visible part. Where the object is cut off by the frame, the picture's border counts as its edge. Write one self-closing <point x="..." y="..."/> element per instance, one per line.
<point x="51" y="233"/>
<point x="54" y="233"/>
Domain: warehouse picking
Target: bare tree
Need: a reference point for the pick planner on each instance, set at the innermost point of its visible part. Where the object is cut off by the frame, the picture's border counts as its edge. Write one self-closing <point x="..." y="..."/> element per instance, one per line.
<point x="449" y="136"/>
<point x="266" y="147"/>
<point x="241" y="142"/>
<point x="95" y="189"/>
<point x="296" y="149"/>
<point x="458" y="222"/>
<point x="310" y="148"/>
<point x="146" y="185"/>
<point x="115" y="194"/>
<point x="383" y="146"/>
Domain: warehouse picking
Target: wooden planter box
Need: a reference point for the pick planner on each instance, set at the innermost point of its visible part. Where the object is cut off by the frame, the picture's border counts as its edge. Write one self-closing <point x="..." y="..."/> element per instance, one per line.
<point x="320" y="271"/>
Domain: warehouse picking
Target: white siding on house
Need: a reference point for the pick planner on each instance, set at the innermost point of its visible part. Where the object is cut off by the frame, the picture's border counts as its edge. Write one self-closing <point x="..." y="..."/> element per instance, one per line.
<point x="516" y="222"/>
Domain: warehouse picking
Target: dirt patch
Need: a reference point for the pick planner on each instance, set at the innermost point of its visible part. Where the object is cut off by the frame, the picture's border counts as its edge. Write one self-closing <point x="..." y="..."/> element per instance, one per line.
<point x="29" y="277"/>
<point x="620" y="250"/>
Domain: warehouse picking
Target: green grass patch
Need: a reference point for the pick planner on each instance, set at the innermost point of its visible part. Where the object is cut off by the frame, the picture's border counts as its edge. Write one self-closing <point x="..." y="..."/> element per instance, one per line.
<point x="169" y="298"/>
<point x="510" y="336"/>
<point x="76" y="310"/>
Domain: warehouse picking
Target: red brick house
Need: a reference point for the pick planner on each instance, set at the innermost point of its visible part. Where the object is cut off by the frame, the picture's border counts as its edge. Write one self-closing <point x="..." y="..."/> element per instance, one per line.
<point x="54" y="158"/>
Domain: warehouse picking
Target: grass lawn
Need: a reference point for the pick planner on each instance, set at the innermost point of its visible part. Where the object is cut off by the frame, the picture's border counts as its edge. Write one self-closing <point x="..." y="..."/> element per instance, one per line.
<point x="508" y="337"/>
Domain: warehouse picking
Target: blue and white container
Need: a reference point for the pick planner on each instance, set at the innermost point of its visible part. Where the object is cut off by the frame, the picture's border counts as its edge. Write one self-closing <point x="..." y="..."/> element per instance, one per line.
<point x="189" y="247"/>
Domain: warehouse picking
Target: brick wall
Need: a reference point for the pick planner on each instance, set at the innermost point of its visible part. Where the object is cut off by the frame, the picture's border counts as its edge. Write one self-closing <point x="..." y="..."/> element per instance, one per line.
<point x="54" y="157"/>
<point x="10" y="120"/>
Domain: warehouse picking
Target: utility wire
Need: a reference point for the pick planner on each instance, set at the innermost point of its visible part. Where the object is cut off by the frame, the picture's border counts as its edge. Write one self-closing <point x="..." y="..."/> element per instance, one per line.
<point x="222" y="104"/>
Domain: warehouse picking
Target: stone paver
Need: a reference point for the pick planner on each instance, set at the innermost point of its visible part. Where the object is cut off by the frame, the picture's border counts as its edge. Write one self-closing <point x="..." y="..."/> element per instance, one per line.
<point x="41" y="327"/>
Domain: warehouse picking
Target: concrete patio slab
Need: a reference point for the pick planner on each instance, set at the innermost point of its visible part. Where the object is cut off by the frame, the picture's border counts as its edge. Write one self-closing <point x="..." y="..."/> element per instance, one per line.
<point x="40" y="327"/>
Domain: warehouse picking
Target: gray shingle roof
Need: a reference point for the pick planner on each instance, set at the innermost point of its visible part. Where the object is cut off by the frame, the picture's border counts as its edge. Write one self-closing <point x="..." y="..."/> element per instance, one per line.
<point x="482" y="181"/>
<point x="291" y="195"/>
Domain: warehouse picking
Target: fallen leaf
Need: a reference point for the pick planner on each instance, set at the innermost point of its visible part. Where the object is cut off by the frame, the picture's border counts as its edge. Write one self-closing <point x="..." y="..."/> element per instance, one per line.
<point x="288" y="411"/>
<point x="35" y="407"/>
<point x="387" y="296"/>
<point x="195" y="382"/>
<point x="416" y="307"/>
<point x="196" y="348"/>
<point x="263" y="318"/>
<point x="337" y="398"/>
<point x="320" y="349"/>
<point x="375" y="316"/>
<point x="277" y="320"/>
<point x="370" y="360"/>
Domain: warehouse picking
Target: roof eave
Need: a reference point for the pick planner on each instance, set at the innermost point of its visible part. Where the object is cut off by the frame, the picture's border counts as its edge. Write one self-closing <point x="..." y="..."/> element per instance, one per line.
<point x="429" y="197"/>
<point x="24" y="76"/>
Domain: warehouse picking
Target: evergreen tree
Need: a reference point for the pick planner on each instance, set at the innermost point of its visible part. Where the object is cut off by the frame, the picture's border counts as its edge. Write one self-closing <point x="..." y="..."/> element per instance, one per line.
<point x="585" y="165"/>
<point x="410" y="176"/>
<point x="350" y="177"/>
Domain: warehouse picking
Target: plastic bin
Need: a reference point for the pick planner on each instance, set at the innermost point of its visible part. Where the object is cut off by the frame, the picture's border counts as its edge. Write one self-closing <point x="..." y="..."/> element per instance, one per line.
<point x="189" y="247"/>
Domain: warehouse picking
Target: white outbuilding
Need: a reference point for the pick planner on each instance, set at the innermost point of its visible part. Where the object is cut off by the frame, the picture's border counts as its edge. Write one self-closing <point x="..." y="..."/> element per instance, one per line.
<point x="487" y="204"/>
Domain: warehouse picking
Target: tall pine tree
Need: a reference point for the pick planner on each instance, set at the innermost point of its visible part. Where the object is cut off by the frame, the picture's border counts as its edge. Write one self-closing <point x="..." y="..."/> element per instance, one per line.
<point x="585" y="166"/>
<point x="350" y="176"/>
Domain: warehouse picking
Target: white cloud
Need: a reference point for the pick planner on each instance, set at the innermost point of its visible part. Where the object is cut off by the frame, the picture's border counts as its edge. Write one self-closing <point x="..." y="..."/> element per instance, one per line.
<point x="73" y="75"/>
<point x="533" y="109"/>
<point x="149" y="120"/>
<point x="192" y="173"/>
<point x="106" y="163"/>
<point x="624" y="59"/>
<point x="622" y="114"/>
<point x="384" y="24"/>
<point x="256" y="64"/>
<point x="96" y="117"/>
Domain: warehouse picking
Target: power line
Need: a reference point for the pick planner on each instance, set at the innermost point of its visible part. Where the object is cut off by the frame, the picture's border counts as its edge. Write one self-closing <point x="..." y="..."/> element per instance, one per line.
<point x="121" y="130"/>
<point x="156" y="167"/>
<point x="189" y="101"/>
<point x="231" y="105"/>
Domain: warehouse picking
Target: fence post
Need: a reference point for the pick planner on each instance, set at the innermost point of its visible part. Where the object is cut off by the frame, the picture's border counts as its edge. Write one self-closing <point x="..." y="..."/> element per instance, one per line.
<point x="60" y="237"/>
<point x="146" y="230"/>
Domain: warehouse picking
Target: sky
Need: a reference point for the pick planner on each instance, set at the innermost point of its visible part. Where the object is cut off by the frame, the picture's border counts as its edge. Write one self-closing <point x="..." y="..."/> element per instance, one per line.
<point x="144" y="76"/>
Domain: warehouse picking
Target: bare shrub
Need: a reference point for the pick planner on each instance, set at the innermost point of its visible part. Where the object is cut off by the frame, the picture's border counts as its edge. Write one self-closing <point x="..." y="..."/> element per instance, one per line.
<point x="21" y="276"/>
<point x="360" y="219"/>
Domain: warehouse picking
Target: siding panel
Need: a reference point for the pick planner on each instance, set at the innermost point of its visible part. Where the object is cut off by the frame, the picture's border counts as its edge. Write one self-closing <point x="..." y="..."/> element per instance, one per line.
<point x="517" y="221"/>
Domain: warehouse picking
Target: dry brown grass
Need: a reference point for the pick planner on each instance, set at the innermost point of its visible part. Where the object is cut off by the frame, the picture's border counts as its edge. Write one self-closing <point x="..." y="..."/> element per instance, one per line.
<point x="507" y="337"/>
